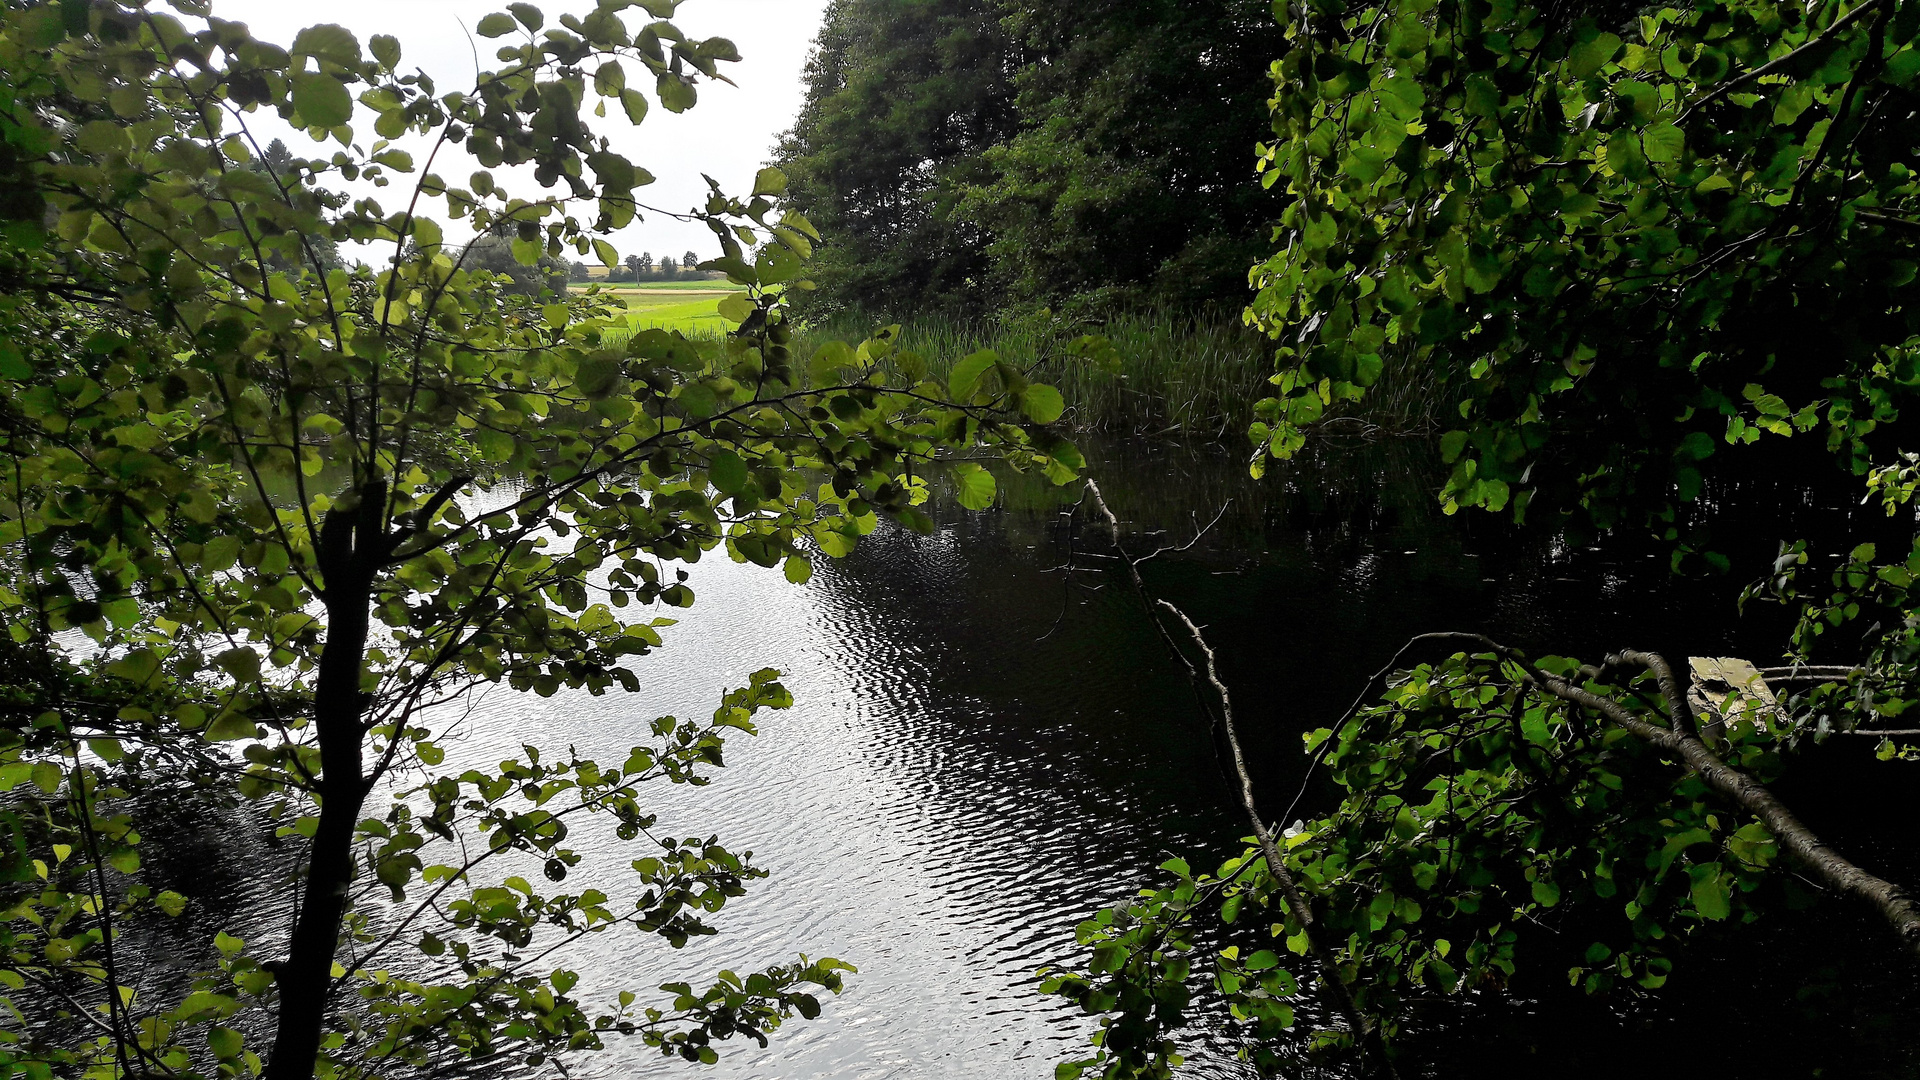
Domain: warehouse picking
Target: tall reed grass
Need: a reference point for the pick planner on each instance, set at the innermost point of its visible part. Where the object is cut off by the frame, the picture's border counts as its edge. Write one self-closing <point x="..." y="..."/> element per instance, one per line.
<point x="1197" y="375"/>
<point x="1192" y="374"/>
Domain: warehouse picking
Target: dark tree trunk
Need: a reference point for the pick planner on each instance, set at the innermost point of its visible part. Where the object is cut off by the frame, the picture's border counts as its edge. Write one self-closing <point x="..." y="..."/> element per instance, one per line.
<point x="351" y="547"/>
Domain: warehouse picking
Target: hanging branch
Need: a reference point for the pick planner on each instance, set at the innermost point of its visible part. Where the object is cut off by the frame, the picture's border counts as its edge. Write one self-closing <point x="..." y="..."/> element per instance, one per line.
<point x="1780" y="63"/>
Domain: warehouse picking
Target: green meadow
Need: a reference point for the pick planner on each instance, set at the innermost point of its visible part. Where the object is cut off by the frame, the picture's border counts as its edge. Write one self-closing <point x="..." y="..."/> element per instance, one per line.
<point x="691" y="307"/>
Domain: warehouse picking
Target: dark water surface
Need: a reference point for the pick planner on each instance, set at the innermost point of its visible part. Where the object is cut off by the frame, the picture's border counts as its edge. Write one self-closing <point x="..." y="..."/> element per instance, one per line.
<point x="983" y="751"/>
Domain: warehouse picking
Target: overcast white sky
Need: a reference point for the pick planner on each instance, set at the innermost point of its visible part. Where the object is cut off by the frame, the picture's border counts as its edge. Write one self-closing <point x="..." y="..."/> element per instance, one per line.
<point x="728" y="135"/>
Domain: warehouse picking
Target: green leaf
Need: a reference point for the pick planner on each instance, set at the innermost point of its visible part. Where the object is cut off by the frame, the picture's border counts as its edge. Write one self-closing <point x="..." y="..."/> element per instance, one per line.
<point x="770" y="181"/>
<point x="225" y="1043"/>
<point x="386" y="49"/>
<point x="240" y="662"/>
<point x="1664" y="143"/>
<point x="1624" y="157"/>
<point x="498" y="24"/>
<point x="321" y="100"/>
<point x="635" y="103"/>
<point x="736" y="309"/>
<point x="220" y="553"/>
<point x="1589" y="56"/>
<point x="728" y="472"/>
<point x="495" y="446"/>
<point x="229" y="726"/>
<point x="123" y="613"/>
<point x="975" y="486"/>
<point x="12" y="364"/>
<point x="609" y="79"/>
<point x="1042" y="404"/>
<point x="698" y="400"/>
<point x="1304" y="409"/>
<point x="329" y="42"/>
<point x="966" y="374"/>
<point x="830" y="358"/>
<point x="676" y="93"/>
<point x="1711" y="896"/>
<point x="47" y="776"/>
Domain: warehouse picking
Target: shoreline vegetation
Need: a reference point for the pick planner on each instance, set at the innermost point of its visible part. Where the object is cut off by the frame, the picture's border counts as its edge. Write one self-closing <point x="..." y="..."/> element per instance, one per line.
<point x="1156" y="372"/>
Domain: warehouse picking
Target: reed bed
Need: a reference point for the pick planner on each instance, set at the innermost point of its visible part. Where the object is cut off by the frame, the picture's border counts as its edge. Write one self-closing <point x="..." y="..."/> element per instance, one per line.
<point x="1195" y="375"/>
<point x="1198" y="375"/>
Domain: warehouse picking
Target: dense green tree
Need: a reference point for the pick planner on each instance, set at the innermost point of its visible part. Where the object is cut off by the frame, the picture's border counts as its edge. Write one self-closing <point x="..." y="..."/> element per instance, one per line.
<point x="278" y="164"/>
<point x="261" y="524"/>
<point x="979" y="153"/>
<point x="1129" y="178"/>
<point x="904" y="97"/>
<point x="493" y="251"/>
<point x="1647" y="246"/>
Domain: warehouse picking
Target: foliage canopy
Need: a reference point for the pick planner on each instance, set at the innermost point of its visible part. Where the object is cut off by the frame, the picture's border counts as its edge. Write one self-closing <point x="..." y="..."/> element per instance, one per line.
<point x="968" y="155"/>
<point x="266" y="517"/>
<point x="1641" y="242"/>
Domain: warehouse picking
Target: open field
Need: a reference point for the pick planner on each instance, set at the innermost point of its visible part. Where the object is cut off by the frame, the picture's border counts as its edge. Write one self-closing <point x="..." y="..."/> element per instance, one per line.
<point x="690" y="307"/>
<point x="677" y="285"/>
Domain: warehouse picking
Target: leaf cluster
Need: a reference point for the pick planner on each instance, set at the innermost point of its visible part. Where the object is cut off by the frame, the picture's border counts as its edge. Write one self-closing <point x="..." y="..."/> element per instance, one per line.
<point x="270" y="518"/>
<point x="1630" y="242"/>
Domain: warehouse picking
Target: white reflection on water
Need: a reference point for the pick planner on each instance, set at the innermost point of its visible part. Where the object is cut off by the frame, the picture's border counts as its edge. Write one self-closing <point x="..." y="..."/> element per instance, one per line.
<point x="947" y="872"/>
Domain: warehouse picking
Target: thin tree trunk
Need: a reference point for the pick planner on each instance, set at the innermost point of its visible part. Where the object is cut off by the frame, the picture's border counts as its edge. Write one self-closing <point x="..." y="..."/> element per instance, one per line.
<point x="351" y="545"/>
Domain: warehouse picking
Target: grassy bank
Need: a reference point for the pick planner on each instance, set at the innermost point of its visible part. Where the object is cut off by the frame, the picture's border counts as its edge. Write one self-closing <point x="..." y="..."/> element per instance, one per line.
<point x="1195" y="375"/>
<point x="1198" y="375"/>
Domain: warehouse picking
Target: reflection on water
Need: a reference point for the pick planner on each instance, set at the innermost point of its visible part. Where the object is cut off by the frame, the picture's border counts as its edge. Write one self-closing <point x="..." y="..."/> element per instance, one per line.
<point x="984" y="751"/>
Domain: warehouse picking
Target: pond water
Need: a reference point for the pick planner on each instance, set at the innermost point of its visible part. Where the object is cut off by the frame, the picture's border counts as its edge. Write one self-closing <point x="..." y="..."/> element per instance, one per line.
<point x="985" y="749"/>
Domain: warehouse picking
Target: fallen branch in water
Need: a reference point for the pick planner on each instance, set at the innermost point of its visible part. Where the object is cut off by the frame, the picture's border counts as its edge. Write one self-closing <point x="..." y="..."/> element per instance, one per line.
<point x="1365" y="1032"/>
<point x="1366" y="1035"/>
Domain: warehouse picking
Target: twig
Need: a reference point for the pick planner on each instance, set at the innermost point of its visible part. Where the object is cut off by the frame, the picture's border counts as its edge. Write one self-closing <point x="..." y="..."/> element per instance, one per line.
<point x="1364" y="1032"/>
<point x="1366" y="692"/>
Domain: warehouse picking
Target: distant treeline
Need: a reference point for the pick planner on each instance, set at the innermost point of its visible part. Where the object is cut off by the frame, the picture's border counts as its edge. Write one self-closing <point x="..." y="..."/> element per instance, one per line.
<point x="973" y="156"/>
<point x="641" y="267"/>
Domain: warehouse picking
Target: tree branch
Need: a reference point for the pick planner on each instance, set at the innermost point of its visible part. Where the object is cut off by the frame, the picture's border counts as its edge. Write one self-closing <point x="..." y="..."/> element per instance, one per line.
<point x="1888" y="899"/>
<point x="1779" y="62"/>
<point x="1364" y="1032"/>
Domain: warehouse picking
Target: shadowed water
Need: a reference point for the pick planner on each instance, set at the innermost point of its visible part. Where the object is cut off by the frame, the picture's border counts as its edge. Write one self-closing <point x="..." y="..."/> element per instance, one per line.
<point x="984" y="750"/>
